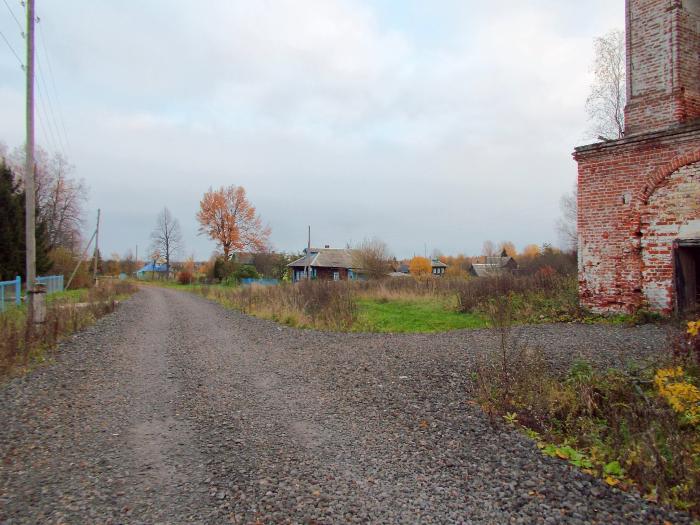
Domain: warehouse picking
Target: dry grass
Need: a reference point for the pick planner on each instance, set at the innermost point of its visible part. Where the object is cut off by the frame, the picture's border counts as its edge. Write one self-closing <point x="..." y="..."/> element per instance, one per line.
<point x="336" y="305"/>
<point x="20" y="349"/>
<point x="615" y="424"/>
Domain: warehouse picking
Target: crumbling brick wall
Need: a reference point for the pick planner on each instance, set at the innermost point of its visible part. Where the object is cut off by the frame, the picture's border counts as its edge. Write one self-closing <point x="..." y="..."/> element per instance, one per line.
<point x="640" y="193"/>
<point x="618" y="185"/>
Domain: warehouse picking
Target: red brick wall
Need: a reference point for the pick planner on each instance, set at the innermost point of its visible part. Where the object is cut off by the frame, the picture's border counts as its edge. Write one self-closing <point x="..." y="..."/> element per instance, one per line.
<point x="634" y="197"/>
<point x="663" y="64"/>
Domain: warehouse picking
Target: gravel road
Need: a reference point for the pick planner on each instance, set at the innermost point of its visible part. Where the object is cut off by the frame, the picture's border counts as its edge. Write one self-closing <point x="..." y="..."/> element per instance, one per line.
<point x="175" y="410"/>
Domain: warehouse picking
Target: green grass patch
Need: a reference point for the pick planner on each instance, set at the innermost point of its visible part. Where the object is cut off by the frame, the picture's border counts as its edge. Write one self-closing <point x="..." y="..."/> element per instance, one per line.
<point x="413" y="316"/>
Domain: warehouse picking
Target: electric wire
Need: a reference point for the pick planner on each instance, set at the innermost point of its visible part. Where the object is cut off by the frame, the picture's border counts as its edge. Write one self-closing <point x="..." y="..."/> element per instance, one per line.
<point x="50" y="137"/>
<point x="12" y="49"/>
<point x="51" y="114"/>
<point x="52" y="80"/>
<point x="21" y="29"/>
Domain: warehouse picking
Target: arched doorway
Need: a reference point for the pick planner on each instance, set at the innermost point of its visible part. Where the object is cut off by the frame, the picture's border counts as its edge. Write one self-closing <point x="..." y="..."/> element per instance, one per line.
<point x="670" y="243"/>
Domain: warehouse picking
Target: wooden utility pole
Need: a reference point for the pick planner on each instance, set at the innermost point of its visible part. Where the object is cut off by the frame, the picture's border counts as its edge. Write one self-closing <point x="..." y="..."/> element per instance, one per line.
<point x="308" y="255"/>
<point x="97" y="239"/>
<point x="29" y="184"/>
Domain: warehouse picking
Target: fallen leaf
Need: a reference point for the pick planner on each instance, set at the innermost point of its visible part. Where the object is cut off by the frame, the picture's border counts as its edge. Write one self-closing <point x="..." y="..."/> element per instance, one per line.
<point x="611" y="481"/>
<point x="423" y="424"/>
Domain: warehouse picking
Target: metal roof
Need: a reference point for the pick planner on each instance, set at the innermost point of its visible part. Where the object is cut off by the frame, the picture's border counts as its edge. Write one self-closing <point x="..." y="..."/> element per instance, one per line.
<point x="328" y="258"/>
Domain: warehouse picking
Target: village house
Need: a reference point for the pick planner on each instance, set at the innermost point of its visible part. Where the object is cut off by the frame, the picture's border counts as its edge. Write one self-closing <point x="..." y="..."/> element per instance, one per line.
<point x="326" y="264"/>
<point x="639" y="196"/>
<point x="437" y="268"/>
<point x="493" y="266"/>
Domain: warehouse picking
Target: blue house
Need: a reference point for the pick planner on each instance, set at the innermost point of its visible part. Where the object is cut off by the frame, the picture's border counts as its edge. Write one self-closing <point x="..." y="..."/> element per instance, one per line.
<point x="153" y="271"/>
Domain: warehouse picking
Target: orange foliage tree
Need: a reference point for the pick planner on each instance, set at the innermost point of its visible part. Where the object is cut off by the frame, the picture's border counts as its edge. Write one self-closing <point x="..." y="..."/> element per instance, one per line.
<point x="531" y="251"/>
<point x="230" y="220"/>
<point x="507" y="247"/>
<point x="419" y="266"/>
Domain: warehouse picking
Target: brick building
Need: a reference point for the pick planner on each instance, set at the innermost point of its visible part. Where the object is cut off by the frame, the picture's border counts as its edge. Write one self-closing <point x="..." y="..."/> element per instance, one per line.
<point x="639" y="196"/>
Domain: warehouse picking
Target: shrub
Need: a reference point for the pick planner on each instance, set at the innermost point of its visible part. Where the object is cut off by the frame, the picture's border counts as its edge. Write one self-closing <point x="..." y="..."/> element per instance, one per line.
<point x="634" y="427"/>
<point x="63" y="317"/>
<point x="184" y="277"/>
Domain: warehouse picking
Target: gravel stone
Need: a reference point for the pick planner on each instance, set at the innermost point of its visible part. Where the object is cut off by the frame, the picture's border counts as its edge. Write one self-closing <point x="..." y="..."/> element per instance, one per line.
<point x="175" y="410"/>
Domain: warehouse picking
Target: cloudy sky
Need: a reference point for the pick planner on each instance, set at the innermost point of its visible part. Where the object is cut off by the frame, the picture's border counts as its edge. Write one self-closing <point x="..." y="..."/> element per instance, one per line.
<point x="428" y="124"/>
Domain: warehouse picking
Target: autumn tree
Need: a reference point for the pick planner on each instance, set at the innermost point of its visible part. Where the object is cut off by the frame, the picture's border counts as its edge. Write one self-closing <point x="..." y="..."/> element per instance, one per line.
<point x="129" y="265"/>
<point x="606" y="103"/>
<point x="230" y="220"/>
<point x="507" y="248"/>
<point x="166" y="237"/>
<point x="420" y="266"/>
<point x="530" y="251"/>
<point x="372" y="258"/>
<point x="60" y="197"/>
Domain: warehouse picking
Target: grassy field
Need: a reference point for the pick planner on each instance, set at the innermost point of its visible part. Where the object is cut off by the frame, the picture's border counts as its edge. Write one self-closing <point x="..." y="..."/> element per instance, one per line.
<point x="413" y="316"/>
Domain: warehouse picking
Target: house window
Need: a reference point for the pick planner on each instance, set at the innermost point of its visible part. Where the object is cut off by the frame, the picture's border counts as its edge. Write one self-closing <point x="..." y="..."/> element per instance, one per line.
<point x="336" y="276"/>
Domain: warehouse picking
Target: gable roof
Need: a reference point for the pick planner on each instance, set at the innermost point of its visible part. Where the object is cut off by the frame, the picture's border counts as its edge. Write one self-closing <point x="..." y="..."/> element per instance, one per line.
<point x="493" y="266"/>
<point x="328" y="258"/>
<point x="150" y="267"/>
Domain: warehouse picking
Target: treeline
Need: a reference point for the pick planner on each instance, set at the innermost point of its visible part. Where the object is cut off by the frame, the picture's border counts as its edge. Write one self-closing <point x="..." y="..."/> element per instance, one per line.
<point x="60" y="200"/>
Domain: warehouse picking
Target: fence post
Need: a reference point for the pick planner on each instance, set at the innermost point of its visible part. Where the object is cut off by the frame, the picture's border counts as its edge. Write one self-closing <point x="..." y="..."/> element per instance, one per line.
<point x="18" y="290"/>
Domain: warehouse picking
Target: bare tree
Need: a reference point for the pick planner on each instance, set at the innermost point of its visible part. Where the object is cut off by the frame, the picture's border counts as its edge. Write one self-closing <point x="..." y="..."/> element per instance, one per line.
<point x="373" y="258"/>
<point x="606" y="103"/>
<point x="166" y="237"/>
<point x="60" y="197"/>
<point x="488" y="249"/>
<point x="566" y="224"/>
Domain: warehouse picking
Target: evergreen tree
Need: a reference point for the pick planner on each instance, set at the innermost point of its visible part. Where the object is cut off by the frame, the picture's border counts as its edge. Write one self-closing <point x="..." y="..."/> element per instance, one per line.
<point x="12" y="238"/>
<point x="11" y="227"/>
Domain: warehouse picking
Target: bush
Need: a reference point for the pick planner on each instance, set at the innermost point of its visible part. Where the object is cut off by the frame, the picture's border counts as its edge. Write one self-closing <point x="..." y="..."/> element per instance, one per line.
<point x="246" y="271"/>
<point x="184" y="277"/>
<point x="635" y="428"/>
<point x="63" y="317"/>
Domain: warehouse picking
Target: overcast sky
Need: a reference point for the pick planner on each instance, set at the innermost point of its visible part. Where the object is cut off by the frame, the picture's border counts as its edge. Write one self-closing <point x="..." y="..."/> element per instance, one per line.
<point x="428" y="124"/>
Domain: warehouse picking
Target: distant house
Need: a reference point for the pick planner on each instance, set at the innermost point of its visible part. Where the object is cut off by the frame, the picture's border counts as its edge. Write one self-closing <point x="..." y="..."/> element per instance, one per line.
<point x="326" y="264"/>
<point x="494" y="266"/>
<point x="438" y="269"/>
<point x="153" y="271"/>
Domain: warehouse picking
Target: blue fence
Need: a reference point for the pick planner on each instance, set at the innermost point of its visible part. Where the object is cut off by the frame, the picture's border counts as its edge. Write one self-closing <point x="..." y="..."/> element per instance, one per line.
<point x="8" y="296"/>
<point x="53" y="283"/>
<point x="6" y="293"/>
<point x="263" y="282"/>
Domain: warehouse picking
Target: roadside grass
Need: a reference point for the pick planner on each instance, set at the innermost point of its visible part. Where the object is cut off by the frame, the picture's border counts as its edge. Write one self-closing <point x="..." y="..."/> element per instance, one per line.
<point x="66" y="313"/>
<point x="418" y="315"/>
<point x="407" y="305"/>
<point x="637" y="428"/>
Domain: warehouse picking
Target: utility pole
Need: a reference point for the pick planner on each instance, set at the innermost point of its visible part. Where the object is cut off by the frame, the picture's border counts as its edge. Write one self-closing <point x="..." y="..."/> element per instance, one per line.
<point x="136" y="259"/>
<point x="97" y="238"/>
<point x="29" y="184"/>
<point x="308" y="255"/>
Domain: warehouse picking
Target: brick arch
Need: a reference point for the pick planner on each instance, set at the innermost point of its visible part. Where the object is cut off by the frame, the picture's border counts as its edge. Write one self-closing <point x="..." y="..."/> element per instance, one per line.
<point x="660" y="174"/>
<point x="655" y="179"/>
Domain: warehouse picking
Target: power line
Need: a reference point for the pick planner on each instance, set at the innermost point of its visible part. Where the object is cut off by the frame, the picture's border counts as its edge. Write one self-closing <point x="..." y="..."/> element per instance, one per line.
<point x="52" y="78"/>
<point x="12" y="49"/>
<point x="51" y="115"/>
<point x="21" y="29"/>
<point x="42" y="107"/>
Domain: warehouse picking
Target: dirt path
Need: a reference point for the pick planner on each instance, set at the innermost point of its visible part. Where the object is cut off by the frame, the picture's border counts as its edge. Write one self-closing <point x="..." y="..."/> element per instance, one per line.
<point x="174" y="410"/>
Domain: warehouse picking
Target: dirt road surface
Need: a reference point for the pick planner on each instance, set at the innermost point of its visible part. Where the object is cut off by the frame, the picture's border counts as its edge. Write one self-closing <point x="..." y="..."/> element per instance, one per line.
<point x="175" y="410"/>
